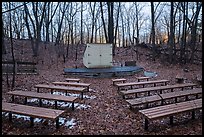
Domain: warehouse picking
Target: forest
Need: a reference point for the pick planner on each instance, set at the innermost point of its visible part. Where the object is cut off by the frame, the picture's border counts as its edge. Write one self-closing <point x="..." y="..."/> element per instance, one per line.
<point x="47" y="37"/>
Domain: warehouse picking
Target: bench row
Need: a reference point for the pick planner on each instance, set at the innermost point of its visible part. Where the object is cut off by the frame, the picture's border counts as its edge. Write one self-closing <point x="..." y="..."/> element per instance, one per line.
<point x="158" y="88"/>
<point x="170" y="110"/>
<point x="163" y="97"/>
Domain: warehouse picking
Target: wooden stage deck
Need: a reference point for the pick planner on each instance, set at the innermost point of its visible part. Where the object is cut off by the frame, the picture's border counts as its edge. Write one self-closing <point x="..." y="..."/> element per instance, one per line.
<point x="103" y="72"/>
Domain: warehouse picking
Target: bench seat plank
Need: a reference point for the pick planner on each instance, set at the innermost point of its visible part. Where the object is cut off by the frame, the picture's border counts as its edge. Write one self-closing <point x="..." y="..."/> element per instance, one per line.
<point x="143" y="90"/>
<point x="142" y="78"/>
<point x="118" y="80"/>
<point x="44" y="96"/>
<point x="72" y="84"/>
<point x="72" y="79"/>
<point x="166" y="110"/>
<point x="161" y="97"/>
<point x="32" y="111"/>
<point x="181" y="93"/>
<point x="64" y="88"/>
<point x="170" y="110"/>
<point x="119" y="85"/>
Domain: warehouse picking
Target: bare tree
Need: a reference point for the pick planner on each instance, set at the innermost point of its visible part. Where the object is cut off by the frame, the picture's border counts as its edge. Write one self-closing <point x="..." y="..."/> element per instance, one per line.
<point x="153" y="31"/>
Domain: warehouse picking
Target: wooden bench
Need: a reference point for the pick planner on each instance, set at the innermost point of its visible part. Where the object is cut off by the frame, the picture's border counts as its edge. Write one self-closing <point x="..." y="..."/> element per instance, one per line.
<point x="32" y="112"/>
<point x="158" y="88"/>
<point x="170" y="110"/>
<point x="86" y="85"/>
<point x="123" y="80"/>
<point x="142" y="78"/>
<point x="72" y="80"/>
<point x="131" y="84"/>
<point x="63" y="88"/>
<point x="41" y="96"/>
<point x="163" y="97"/>
<point x="179" y="79"/>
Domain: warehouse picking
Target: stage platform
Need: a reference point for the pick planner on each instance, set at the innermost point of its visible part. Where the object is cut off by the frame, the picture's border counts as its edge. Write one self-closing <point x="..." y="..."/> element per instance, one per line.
<point x="103" y="72"/>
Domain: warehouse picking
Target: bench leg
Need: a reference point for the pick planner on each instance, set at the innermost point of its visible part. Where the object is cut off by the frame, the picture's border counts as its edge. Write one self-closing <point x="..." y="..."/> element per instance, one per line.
<point x="162" y="101"/>
<point x="146" y="124"/>
<point x="38" y="90"/>
<point x="187" y="98"/>
<point x="40" y="102"/>
<point x="143" y="85"/>
<point x="135" y="95"/>
<point x="148" y="93"/>
<point x="25" y="101"/>
<point x="81" y="95"/>
<point x="146" y="106"/>
<point x="10" y="117"/>
<point x="193" y="114"/>
<point x="182" y="88"/>
<point x="123" y="96"/>
<point x="12" y="98"/>
<point x="196" y="96"/>
<point x="66" y="93"/>
<point x="31" y="121"/>
<point x="172" y="90"/>
<point x="51" y="91"/>
<point x="191" y="87"/>
<point x="160" y="91"/>
<point x="55" y="104"/>
<point x="72" y="105"/>
<point x="171" y="120"/>
<point x="175" y="99"/>
<point x="154" y="84"/>
<point x="57" y="123"/>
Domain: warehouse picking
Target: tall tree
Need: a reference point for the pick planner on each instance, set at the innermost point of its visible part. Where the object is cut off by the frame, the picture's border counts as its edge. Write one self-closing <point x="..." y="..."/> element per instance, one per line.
<point x="12" y="50"/>
<point x="171" y="39"/>
<point x="153" y="30"/>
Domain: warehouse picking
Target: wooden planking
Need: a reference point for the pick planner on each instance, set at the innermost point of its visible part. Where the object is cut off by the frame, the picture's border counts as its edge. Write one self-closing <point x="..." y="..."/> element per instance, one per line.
<point x="39" y="112"/>
<point x="167" y="110"/>
<point x="141" y="83"/>
<point x="118" y="80"/>
<point x="42" y="95"/>
<point x="160" y="97"/>
<point x="143" y="100"/>
<point x="72" y="84"/>
<point x="142" y="90"/>
<point x="72" y="79"/>
<point x="81" y="89"/>
<point x="142" y="78"/>
<point x="181" y="93"/>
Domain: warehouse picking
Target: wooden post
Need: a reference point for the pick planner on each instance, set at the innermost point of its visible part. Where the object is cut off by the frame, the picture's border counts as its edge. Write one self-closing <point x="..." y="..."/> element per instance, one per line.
<point x="72" y="105"/>
<point x="171" y="120"/>
<point x="146" y="124"/>
<point x="10" y="117"/>
<point x="25" y="101"/>
<point x="193" y="114"/>
<point x="31" y="121"/>
<point x="55" y="104"/>
<point x="57" y="123"/>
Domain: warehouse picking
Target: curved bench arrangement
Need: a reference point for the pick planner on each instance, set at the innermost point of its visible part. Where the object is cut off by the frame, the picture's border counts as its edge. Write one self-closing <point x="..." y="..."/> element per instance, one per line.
<point x="143" y="83"/>
<point x="162" y="97"/>
<point x="158" y="88"/>
<point x="39" y="112"/>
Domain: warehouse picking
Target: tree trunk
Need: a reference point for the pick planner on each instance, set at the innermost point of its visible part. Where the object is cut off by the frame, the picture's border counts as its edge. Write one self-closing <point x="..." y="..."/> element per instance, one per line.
<point x="171" y="33"/>
<point x="153" y="31"/>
